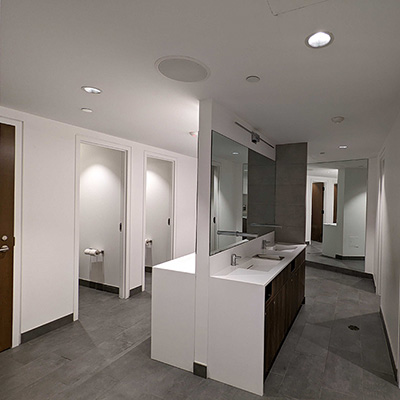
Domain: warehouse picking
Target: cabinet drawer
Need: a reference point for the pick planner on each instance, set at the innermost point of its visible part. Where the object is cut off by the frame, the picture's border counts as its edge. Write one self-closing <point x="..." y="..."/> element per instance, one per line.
<point x="300" y="259"/>
<point x="278" y="283"/>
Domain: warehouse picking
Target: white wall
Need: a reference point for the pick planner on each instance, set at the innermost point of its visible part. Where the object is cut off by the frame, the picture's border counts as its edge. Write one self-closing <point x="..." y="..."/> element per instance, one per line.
<point x="48" y="213"/>
<point x="354" y="211"/>
<point x="372" y="210"/>
<point x="328" y="201"/>
<point x="101" y="212"/>
<point x="215" y="117"/>
<point x="159" y="183"/>
<point x="389" y="244"/>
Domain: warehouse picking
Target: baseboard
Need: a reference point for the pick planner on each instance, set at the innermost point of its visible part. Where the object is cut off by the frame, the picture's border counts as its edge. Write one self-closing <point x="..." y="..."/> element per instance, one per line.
<point x="99" y="286"/>
<point x="200" y="370"/>
<point x="388" y="345"/>
<point x="148" y="269"/>
<point x="135" y="290"/>
<point x="352" y="272"/>
<point x="46" y="328"/>
<point x="354" y="258"/>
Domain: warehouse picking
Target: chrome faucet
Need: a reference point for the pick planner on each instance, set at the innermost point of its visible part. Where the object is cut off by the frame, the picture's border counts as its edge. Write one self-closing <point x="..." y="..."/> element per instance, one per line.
<point x="234" y="258"/>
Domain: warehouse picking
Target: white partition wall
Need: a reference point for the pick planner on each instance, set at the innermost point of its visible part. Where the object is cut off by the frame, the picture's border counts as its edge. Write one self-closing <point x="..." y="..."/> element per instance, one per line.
<point x="213" y="117"/>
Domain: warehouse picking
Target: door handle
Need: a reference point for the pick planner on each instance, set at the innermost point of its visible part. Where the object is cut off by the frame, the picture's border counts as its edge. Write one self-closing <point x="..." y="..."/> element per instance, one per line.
<point x="169" y="221"/>
<point x="4" y="249"/>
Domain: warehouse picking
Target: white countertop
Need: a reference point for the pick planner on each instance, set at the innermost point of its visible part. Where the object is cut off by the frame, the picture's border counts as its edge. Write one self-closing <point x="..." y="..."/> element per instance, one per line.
<point x="185" y="264"/>
<point x="265" y="270"/>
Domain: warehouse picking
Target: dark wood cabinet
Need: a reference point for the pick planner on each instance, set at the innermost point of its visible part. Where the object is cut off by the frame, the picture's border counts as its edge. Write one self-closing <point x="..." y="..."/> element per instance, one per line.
<point x="283" y="299"/>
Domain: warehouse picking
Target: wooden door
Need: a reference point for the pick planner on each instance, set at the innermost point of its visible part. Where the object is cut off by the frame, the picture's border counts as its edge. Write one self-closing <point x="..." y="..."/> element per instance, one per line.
<point x="7" y="156"/>
<point x="317" y="215"/>
<point x="335" y="203"/>
<point x="275" y="326"/>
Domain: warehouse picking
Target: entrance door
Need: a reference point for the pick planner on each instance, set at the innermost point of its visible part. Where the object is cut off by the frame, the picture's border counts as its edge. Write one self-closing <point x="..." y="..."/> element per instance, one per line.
<point x="7" y="159"/>
<point x="159" y="209"/>
<point x="317" y="211"/>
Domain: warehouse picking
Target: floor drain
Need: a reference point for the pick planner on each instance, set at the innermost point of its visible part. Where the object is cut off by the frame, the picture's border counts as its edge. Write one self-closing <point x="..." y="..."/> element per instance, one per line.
<point x="353" y="328"/>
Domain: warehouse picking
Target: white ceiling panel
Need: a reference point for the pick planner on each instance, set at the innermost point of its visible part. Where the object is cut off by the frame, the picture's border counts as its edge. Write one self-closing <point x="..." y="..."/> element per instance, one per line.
<point x="50" y="48"/>
<point x="284" y="6"/>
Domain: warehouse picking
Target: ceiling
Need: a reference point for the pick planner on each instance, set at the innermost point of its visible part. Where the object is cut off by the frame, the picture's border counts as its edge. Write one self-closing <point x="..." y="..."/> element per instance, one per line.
<point x="50" y="48"/>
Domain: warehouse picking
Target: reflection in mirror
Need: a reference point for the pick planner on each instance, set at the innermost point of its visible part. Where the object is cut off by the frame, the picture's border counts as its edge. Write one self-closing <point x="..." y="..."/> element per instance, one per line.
<point x="228" y="190"/>
<point x="336" y="213"/>
<point x="261" y="194"/>
<point x="242" y="194"/>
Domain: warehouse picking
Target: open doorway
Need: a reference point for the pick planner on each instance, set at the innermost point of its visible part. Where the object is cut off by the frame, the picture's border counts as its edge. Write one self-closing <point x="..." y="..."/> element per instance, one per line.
<point x="336" y="213"/>
<point x="102" y="203"/>
<point x="159" y="225"/>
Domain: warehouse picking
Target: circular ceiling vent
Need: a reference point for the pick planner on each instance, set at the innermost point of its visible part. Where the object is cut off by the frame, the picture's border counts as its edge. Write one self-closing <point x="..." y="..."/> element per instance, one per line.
<point x="182" y="69"/>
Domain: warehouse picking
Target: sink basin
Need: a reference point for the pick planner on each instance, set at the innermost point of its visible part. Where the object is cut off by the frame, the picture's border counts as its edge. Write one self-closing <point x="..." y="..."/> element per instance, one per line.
<point x="262" y="264"/>
<point x="270" y="256"/>
<point x="287" y="248"/>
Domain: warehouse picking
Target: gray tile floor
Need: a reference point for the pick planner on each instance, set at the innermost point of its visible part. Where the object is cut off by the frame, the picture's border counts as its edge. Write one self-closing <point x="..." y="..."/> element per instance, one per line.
<point x="106" y="355"/>
<point x="314" y="253"/>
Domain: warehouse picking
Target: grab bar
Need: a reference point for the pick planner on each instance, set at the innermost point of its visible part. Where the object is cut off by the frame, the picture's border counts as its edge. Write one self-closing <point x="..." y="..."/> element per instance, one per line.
<point x="237" y="233"/>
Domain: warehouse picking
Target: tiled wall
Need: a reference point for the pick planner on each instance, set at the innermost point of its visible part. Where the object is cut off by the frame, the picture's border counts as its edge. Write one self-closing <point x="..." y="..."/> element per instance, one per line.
<point x="291" y="179"/>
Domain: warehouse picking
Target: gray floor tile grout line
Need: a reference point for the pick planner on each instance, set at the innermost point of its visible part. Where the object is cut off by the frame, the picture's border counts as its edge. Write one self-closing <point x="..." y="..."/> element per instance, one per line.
<point x="302" y="369"/>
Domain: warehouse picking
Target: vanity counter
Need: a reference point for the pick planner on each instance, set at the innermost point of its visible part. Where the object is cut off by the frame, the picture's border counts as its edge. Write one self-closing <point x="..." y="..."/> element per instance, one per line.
<point x="250" y="312"/>
<point x="243" y="273"/>
<point x="185" y="264"/>
<point x="172" y="312"/>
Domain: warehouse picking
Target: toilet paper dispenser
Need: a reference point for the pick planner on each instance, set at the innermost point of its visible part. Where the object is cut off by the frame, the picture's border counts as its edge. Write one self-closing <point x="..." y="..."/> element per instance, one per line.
<point x="93" y="252"/>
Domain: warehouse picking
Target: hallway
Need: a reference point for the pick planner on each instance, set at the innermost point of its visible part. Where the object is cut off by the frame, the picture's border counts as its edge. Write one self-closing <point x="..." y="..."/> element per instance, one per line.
<point x="314" y="254"/>
<point x="106" y="355"/>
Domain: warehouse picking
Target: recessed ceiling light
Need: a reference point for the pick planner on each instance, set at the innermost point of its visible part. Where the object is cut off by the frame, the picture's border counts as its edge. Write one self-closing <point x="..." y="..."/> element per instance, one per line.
<point x="253" y="79"/>
<point x="343" y="146"/>
<point x="182" y="69"/>
<point x="235" y="153"/>
<point x="86" y="110"/>
<point x="337" y="120"/>
<point x="194" y="133"/>
<point x="319" y="39"/>
<point x="91" y="89"/>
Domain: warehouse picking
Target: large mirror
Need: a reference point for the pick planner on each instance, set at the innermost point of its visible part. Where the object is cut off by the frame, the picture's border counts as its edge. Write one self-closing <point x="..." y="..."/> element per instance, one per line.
<point x="337" y="213"/>
<point x="242" y="194"/>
